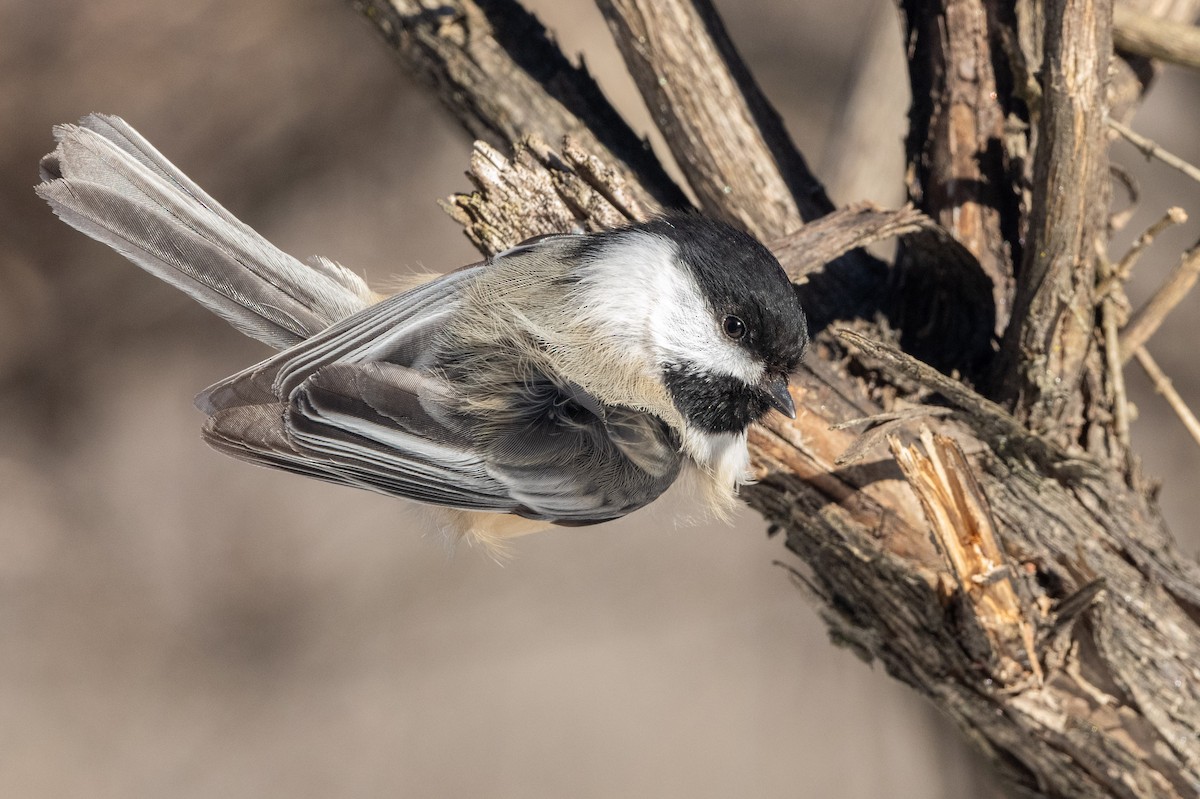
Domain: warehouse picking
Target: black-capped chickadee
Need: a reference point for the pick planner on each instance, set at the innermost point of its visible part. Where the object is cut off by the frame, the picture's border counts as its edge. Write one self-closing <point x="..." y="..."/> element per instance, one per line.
<point x="569" y="380"/>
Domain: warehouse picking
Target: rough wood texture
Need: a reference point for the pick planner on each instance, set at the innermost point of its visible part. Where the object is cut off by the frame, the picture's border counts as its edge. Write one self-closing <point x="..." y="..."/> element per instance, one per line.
<point x="959" y="170"/>
<point x="495" y="68"/>
<point x="1051" y="616"/>
<point x="1095" y="724"/>
<point x="712" y="116"/>
<point x="1051" y="366"/>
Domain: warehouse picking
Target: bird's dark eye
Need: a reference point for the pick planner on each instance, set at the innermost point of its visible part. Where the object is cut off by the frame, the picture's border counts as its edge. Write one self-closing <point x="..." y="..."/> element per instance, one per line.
<point x="733" y="327"/>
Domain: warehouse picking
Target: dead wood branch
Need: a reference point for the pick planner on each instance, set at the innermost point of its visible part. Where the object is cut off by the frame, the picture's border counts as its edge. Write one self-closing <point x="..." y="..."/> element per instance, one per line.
<point x="503" y="78"/>
<point x="1090" y="589"/>
<point x="712" y="116"/>
<point x="862" y="533"/>
<point x="983" y="577"/>
<point x="956" y="156"/>
<point x="1151" y="316"/>
<point x="1050" y="360"/>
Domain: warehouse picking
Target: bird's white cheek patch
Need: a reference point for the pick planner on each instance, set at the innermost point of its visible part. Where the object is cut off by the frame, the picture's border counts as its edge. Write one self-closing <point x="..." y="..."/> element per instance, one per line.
<point x="684" y="330"/>
<point x="652" y="310"/>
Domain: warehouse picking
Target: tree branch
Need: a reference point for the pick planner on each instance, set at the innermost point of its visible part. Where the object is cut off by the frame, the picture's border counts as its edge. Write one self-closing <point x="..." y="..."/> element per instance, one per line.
<point x="1100" y="724"/>
<point x="1147" y="320"/>
<point x="1100" y="696"/>
<point x="959" y="167"/>
<point x="502" y="77"/>
<point x="1163" y="385"/>
<point x="724" y="135"/>
<point x="1152" y="150"/>
<point x="1050" y="360"/>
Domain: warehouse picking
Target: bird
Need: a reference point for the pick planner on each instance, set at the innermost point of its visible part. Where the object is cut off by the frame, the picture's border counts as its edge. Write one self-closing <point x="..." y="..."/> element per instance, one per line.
<point x="567" y="381"/>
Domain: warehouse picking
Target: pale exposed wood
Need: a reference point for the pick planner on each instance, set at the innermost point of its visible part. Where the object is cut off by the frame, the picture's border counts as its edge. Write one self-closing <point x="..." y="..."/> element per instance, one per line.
<point x="966" y="535"/>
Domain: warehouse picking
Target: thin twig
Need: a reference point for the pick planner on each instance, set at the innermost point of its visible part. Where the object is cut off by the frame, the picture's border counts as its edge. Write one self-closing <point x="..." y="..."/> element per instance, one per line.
<point x="992" y="422"/>
<point x="1174" y="216"/>
<point x="1116" y="276"/>
<point x="880" y="426"/>
<point x="918" y="412"/>
<point x="1118" y="219"/>
<point x="1152" y="37"/>
<point x="1151" y="149"/>
<point x="1112" y="351"/>
<point x="1151" y="315"/>
<point x="1162" y="384"/>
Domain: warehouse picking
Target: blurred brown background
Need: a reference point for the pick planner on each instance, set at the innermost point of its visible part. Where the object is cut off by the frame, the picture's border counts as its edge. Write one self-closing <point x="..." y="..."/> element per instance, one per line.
<point x="177" y="624"/>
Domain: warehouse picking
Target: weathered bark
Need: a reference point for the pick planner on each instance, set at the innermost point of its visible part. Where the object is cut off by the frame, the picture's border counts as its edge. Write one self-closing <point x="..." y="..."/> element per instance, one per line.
<point x="959" y="170"/>
<point x="1050" y="364"/>
<point x="500" y="75"/>
<point x="1051" y="617"/>
<point x="724" y="135"/>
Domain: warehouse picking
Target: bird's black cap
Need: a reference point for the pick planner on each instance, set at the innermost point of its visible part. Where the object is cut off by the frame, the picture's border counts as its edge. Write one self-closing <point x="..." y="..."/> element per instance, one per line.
<point x="740" y="277"/>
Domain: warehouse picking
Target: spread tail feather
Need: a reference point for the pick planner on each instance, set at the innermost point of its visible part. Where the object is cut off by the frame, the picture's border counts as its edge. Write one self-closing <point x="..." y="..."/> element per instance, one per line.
<point x="107" y="181"/>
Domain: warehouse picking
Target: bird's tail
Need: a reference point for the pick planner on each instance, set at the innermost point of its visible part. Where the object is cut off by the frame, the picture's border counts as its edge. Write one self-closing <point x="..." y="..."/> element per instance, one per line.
<point x="107" y="181"/>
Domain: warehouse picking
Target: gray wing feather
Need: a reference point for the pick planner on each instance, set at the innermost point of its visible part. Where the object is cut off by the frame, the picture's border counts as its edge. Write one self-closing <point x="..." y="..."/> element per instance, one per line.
<point x="364" y="426"/>
<point x="399" y="330"/>
<point x="350" y="408"/>
<point x="108" y="182"/>
<point x="362" y="404"/>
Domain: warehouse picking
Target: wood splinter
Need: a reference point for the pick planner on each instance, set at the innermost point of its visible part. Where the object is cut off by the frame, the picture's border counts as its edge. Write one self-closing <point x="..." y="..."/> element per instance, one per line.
<point x="965" y="533"/>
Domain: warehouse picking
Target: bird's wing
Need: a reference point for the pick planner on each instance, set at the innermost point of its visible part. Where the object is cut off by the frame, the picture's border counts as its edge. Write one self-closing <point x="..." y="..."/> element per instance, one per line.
<point x="399" y="330"/>
<point x="360" y="404"/>
<point x="376" y="425"/>
<point x="364" y="425"/>
<point x="393" y="429"/>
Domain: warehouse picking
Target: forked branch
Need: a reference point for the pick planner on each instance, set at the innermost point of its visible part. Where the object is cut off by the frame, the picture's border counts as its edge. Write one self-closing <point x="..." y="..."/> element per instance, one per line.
<point x="1056" y="623"/>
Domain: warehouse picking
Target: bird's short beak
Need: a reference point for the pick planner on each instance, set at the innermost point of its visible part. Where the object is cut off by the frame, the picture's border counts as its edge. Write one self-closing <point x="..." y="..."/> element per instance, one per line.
<point x="776" y="388"/>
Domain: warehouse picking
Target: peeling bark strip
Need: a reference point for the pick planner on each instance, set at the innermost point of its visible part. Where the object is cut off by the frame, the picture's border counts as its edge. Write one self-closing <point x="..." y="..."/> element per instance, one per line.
<point x="1053" y="620"/>
<point x="576" y="191"/>
<point x="1051" y="366"/>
